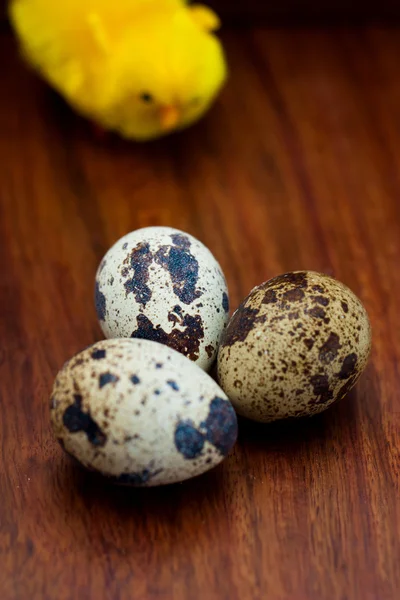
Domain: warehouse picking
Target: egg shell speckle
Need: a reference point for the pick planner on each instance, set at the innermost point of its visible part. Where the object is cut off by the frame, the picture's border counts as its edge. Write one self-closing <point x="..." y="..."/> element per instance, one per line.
<point x="140" y="413"/>
<point x="162" y="284"/>
<point x="296" y="344"/>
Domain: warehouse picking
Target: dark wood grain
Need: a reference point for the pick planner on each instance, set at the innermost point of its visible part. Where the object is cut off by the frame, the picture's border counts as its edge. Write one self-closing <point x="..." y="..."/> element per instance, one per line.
<point x="297" y="167"/>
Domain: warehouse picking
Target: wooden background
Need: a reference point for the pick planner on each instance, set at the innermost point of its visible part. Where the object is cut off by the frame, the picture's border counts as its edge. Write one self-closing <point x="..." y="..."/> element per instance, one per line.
<point x="297" y="167"/>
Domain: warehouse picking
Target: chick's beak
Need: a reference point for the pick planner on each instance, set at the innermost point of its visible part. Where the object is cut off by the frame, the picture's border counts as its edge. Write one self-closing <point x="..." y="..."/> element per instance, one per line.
<point x="169" y="117"/>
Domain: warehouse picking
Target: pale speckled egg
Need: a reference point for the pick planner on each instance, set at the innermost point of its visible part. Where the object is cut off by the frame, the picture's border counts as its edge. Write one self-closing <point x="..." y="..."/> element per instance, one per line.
<point x="296" y="344"/>
<point x="163" y="285"/>
<point x="140" y="413"/>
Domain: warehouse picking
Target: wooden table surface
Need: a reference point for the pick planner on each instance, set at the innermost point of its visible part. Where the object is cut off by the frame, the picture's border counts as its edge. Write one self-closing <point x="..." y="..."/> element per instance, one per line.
<point x="296" y="167"/>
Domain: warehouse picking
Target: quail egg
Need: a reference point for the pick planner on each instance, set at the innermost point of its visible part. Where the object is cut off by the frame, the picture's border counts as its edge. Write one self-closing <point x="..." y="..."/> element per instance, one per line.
<point x="140" y="413"/>
<point x="162" y="284"/>
<point x="296" y="344"/>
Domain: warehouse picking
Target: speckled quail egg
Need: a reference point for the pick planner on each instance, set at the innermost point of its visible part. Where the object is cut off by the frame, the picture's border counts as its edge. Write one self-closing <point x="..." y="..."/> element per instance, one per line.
<point x="296" y="344"/>
<point x="163" y="285"/>
<point x="140" y="413"/>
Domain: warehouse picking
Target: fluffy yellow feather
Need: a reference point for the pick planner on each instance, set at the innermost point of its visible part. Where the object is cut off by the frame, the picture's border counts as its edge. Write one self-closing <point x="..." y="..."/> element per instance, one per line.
<point x="141" y="68"/>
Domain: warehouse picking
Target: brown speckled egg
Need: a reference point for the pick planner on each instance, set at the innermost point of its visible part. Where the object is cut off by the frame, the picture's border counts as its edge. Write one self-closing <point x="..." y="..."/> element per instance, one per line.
<point x="141" y="413"/>
<point x="295" y="345"/>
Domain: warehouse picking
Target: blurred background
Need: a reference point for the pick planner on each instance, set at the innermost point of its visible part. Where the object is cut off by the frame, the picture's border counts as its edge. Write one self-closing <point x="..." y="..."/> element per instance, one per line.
<point x="285" y="11"/>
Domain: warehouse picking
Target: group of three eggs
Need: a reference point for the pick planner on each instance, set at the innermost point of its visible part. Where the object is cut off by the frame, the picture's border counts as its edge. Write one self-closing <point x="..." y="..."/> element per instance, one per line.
<point x="140" y="408"/>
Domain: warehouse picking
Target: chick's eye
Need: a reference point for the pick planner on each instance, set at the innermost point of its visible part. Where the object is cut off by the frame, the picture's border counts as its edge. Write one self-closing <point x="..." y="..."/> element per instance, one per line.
<point x="146" y="97"/>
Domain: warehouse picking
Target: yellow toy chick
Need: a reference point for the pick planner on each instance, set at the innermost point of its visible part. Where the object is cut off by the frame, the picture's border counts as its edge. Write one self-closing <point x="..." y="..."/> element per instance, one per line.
<point x="141" y="68"/>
